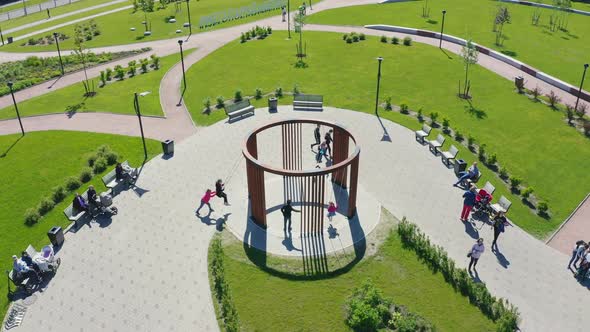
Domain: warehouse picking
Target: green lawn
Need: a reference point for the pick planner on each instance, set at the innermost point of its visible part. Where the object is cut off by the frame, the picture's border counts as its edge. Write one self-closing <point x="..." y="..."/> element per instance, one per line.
<point x="424" y="78"/>
<point x="115" y="97"/>
<point x="115" y="27"/>
<point x="290" y="301"/>
<point x="32" y="166"/>
<point x="561" y="54"/>
<point x="12" y="23"/>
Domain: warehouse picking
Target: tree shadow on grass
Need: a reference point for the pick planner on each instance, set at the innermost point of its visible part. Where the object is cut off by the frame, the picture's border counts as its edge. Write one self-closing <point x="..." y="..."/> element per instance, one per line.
<point x="71" y="110"/>
<point x="478" y="113"/>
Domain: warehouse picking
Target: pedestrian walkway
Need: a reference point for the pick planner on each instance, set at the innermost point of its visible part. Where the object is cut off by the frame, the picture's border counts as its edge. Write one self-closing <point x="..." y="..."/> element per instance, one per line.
<point x="145" y="269"/>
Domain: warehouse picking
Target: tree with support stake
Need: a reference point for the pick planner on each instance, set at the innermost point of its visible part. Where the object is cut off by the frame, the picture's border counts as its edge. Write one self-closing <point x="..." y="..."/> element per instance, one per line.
<point x="138" y="113"/>
<point x="301" y="50"/>
<point x="469" y="54"/>
<point x="82" y="52"/>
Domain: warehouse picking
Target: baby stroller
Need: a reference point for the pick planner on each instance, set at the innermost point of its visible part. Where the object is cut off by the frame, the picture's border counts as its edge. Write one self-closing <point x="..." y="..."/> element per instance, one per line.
<point x="483" y="202"/>
<point x="47" y="261"/>
<point x="104" y="204"/>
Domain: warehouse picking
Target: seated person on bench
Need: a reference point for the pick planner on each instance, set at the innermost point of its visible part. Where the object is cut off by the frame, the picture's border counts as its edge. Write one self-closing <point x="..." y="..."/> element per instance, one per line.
<point x="23" y="271"/>
<point x="29" y="261"/>
<point x="92" y="196"/>
<point x="471" y="173"/>
<point x="79" y="203"/>
<point x="125" y="173"/>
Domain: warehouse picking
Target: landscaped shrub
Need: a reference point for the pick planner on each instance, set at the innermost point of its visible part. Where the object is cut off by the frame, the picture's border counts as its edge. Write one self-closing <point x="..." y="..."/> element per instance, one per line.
<point x="86" y="174"/>
<point x="132" y="68"/>
<point x="445" y="125"/>
<point x="543" y="207"/>
<point x="103" y="78"/>
<point x="362" y="36"/>
<point x="269" y="30"/>
<point x="32" y="216"/>
<point x="220" y="102"/>
<point x="554" y="99"/>
<point x="569" y="113"/>
<point x="242" y="38"/>
<point x="404" y="109"/>
<point x="581" y="110"/>
<point x="103" y="150"/>
<point x="349" y="40"/>
<point x="492" y="159"/>
<point x="258" y="93"/>
<point x="296" y="90"/>
<point x="503" y="173"/>
<point x="527" y="192"/>
<point x="407" y="41"/>
<point x="238" y="96"/>
<point x="481" y="152"/>
<point x="72" y="183"/>
<point x="221" y="287"/>
<point x="536" y="93"/>
<point x="586" y="127"/>
<point x="155" y="61"/>
<point x="383" y="39"/>
<point x="433" y="117"/>
<point x="515" y="182"/>
<point x="144" y="65"/>
<point x="388" y="104"/>
<point x="99" y="165"/>
<point x="207" y="104"/>
<point x="367" y="308"/>
<point x="459" y="137"/>
<point x="111" y="157"/>
<point x="420" y="116"/>
<point x="92" y="159"/>
<point x="470" y="142"/>
<point x="279" y="92"/>
<point x="355" y="38"/>
<point x="395" y="40"/>
<point x="58" y="194"/>
<point x="109" y="74"/>
<point x="345" y="36"/>
<point x="119" y="72"/>
<point x="45" y="206"/>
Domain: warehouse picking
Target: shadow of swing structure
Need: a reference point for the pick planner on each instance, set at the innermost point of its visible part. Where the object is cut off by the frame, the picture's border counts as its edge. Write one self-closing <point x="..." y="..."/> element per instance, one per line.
<point x="308" y="189"/>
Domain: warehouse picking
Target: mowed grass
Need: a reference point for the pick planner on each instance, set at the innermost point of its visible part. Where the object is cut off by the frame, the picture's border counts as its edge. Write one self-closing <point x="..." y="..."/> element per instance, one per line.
<point x="292" y="302"/>
<point x="40" y="16"/>
<point x="530" y="140"/>
<point x="32" y="165"/>
<point x="115" y="97"/>
<point x="561" y="54"/>
<point x="115" y="27"/>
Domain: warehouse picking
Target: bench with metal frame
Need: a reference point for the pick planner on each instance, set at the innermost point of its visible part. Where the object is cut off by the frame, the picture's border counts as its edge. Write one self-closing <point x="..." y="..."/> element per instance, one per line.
<point x="421" y="134"/>
<point x="239" y="109"/>
<point x="436" y="144"/>
<point x="447" y="156"/>
<point x="110" y="179"/>
<point x="302" y="102"/>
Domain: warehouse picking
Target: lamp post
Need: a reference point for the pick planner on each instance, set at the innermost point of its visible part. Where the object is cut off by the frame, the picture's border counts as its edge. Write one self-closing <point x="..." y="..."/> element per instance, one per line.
<point x="380" y="59"/>
<point x="581" y="84"/>
<point x="61" y="64"/>
<point x="22" y="130"/>
<point x="289" y="18"/>
<point x="25" y="8"/>
<point x="442" y="29"/>
<point x="190" y="25"/>
<point x="138" y="112"/>
<point x="183" y="73"/>
<point x="1" y="36"/>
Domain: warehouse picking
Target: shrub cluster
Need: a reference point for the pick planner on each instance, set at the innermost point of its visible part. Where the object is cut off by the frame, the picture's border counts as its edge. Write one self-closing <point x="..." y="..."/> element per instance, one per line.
<point x="369" y="310"/>
<point x="499" y="310"/>
<point x="48" y="39"/>
<point x="131" y="70"/>
<point x="97" y="163"/>
<point x="221" y="288"/>
<point x="353" y="37"/>
<point x="255" y="33"/>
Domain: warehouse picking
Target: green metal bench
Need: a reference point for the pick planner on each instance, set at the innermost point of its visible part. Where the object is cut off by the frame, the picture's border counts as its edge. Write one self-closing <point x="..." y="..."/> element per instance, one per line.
<point x="239" y="109"/>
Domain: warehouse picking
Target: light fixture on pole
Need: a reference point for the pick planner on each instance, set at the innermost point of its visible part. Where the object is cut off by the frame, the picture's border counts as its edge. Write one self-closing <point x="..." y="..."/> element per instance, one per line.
<point x="138" y="113"/>
<point x="22" y="130"/>
<point x="581" y="85"/>
<point x="183" y="73"/>
<point x="61" y="64"/>
<point x="380" y="59"/>
<point x="442" y="29"/>
<point x="190" y="25"/>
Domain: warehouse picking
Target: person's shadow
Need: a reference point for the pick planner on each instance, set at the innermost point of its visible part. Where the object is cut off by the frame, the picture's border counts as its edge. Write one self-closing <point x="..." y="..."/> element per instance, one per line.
<point x="218" y="222"/>
<point x="470" y="230"/>
<point x="288" y="241"/>
<point x="500" y="257"/>
<point x="332" y="232"/>
<point x="474" y="275"/>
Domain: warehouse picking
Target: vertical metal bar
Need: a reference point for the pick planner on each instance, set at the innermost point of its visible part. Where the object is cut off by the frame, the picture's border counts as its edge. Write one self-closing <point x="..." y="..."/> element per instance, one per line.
<point x="283" y="147"/>
<point x="354" y="168"/>
<point x="322" y="204"/>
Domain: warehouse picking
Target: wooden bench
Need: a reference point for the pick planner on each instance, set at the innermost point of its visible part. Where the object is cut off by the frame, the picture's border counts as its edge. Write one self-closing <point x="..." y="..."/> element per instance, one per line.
<point x="303" y="102"/>
<point x="73" y="214"/>
<point x="421" y="134"/>
<point x="239" y="109"/>
<point x="447" y="156"/>
<point x="110" y="179"/>
<point x="436" y="144"/>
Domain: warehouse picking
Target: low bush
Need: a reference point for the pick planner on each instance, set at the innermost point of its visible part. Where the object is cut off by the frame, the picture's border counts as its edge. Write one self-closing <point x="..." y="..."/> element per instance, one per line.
<point x="515" y="182"/>
<point x="554" y="99"/>
<point x="349" y="40"/>
<point x="470" y="141"/>
<point x="536" y="93"/>
<point x="459" y="137"/>
<point x="238" y="96"/>
<point x="481" y="153"/>
<point x="32" y="216"/>
<point x="407" y="41"/>
<point x="355" y="38"/>
<point x="91" y="159"/>
<point x="243" y="38"/>
<point x="72" y="183"/>
<point x="279" y="92"/>
<point x="543" y="207"/>
<point x="207" y="104"/>
<point x="45" y="206"/>
<point x="433" y="117"/>
<point x="220" y="102"/>
<point x="362" y="36"/>
<point x="58" y="194"/>
<point x="383" y="39"/>
<point x="388" y="106"/>
<point x="100" y="165"/>
<point x="503" y="173"/>
<point x="395" y="41"/>
<point x="109" y="74"/>
<point x="445" y="125"/>
<point x="111" y="157"/>
<point x="404" y="109"/>
<point x="119" y="72"/>
<point x="527" y="192"/>
<point x="492" y="159"/>
<point x="258" y="93"/>
<point x="296" y="90"/>
<point x="86" y="174"/>
<point x="221" y="287"/>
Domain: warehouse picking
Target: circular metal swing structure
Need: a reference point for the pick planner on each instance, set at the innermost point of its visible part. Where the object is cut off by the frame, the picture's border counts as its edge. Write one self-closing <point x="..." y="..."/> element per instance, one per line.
<point x="307" y="187"/>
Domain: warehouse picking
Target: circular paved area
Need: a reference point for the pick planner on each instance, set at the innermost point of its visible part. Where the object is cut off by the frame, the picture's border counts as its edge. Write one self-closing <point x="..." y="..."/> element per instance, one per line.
<point x="146" y="269"/>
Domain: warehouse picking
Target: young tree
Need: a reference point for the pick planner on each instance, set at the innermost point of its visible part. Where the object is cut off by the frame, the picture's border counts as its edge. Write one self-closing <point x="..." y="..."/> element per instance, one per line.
<point x="300" y="19"/>
<point x="469" y="54"/>
<point x="502" y="17"/>
<point x="146" y="6"/>
<point x="81" y="52"/>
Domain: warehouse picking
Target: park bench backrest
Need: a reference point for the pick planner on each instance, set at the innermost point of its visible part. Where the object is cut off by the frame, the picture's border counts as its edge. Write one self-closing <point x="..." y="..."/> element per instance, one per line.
<point x="453" y="151"/>
<point x="69" y="211"/>
<point x="237" y="106"/>
<point x="440" y="139"/>
<point x="109" y="177"/>
<point x="313" y="98"/>
<point x="504" y="203"/>
<point x="489" y="188"/>
<point x="31" y="251"/>
<point x="426" y="128"/>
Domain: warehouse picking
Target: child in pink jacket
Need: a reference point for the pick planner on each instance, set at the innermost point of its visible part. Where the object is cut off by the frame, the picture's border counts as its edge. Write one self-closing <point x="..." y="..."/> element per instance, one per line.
<point x="205" y="200"/>
<point x="331" y="210"/>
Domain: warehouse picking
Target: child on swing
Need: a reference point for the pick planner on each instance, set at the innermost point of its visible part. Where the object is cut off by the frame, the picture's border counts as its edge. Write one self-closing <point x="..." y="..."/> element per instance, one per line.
<point x="331" y="210"/>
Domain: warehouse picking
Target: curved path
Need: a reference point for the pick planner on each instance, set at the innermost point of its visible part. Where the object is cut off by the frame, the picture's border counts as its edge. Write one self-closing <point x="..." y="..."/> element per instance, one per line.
<point x="145" y="269"/>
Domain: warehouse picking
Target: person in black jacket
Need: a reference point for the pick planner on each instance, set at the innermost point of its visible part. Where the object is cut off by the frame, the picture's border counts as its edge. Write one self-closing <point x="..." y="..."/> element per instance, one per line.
<point x="317" y="135"/>
<point x="220" y="191"/>
<point x="286" y="211"/>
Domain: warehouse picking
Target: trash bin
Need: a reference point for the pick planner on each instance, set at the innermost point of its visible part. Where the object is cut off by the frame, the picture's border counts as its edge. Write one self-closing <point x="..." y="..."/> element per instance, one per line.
<point x="168" y="146"/>
<point x="460" y="166"/>
<point x="56" y="236"/>
<point x="9" y="40"/>
<point x="519" y="83"/>
<point x="272" y="104"/>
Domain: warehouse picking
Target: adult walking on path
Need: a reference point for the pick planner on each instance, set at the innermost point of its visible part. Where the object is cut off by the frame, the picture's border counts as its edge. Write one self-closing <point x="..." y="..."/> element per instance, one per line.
<point x="468" y="203"/>
<point x="220" y="191"/>
<point x="328" y="139"/>
<point x="475" y="253"/>
<point x="286" y="210"/>
<point x="577" y="254"/>
<point x="317" y="135"/>
<point x="499" y="227"/>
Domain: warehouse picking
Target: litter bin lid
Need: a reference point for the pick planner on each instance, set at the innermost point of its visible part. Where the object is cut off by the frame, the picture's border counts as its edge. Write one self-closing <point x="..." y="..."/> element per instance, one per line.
<point x="54" y="229"/>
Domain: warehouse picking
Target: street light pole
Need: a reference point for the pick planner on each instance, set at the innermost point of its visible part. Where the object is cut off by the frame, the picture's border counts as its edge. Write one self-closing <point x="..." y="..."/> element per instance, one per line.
<point x="22" y="130"/>
<point x="581" y="84"/>
<point x="183" y="73"/>
<point x="289" y="18"/>
<point x="1" y="36"/>
<point x="138" y="112"/>
<point x="61" y="64"/>
<point x="442" y="29"/>
<point x="380" y="59"/>
<point x="190" y="25"/>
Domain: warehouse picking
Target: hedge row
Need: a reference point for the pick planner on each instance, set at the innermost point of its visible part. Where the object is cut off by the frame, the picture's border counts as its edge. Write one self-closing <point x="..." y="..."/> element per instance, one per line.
<point x="499" y="310"/>
<point x="97" y="163"/>
<point x="221" y="288"/>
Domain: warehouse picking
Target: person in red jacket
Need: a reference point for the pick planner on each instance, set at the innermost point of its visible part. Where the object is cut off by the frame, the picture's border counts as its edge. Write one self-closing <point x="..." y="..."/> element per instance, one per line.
<point x="205" y="200"/>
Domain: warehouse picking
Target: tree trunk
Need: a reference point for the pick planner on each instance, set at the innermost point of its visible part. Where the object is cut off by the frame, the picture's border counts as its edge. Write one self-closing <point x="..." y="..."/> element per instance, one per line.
<point x="465" y="85"/>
